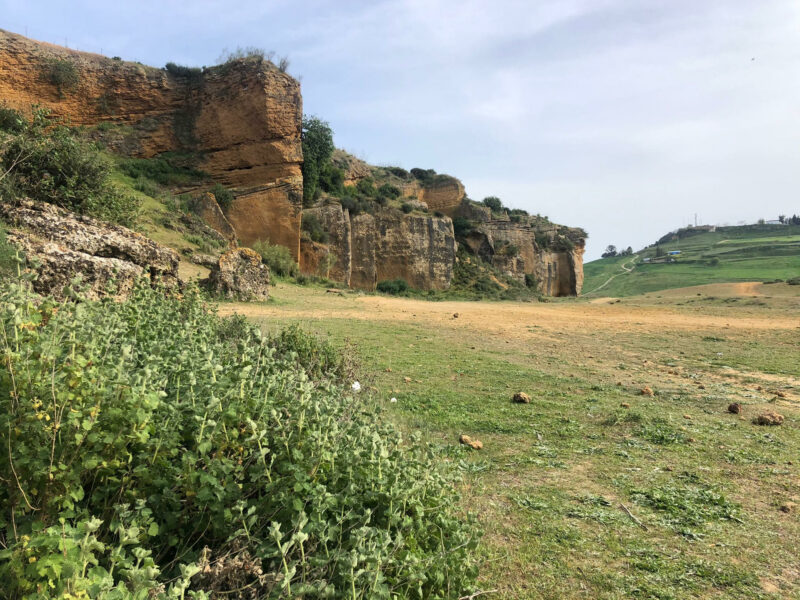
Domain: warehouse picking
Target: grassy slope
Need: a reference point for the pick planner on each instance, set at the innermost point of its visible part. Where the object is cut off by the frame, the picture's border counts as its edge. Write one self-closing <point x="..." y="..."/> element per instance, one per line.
<point x="745" y="254"/>
<point x="551" y="479"/>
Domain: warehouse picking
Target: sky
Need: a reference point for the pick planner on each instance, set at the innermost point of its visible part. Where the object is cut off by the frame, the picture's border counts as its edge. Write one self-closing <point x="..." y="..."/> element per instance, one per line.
<point x="624" y="117"/>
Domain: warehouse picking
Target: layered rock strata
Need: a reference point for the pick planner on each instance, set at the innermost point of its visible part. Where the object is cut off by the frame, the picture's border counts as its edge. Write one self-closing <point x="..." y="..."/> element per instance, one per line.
<point x="240" y="122"/>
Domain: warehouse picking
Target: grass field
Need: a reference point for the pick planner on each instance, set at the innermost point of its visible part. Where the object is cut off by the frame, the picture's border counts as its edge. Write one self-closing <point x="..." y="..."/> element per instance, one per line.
<point x="594" y="490"/>
<point x="751" y="253"/>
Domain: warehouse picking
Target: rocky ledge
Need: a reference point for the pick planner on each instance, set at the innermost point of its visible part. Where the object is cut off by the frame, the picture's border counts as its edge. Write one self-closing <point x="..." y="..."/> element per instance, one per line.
<point x="61" y="246"/>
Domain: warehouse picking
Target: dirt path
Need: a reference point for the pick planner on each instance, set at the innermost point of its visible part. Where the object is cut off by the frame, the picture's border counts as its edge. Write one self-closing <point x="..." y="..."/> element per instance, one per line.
<point x="625" y="270"/>
<point x="514" y="319"/>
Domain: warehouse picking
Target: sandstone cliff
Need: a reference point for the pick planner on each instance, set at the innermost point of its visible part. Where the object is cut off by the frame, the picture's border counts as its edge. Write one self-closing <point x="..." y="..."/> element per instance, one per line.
<point x="368" y="248"/>
<point x="241" y="124"/>
<point x="241" y="121"/>
<point x="526" y="245"/>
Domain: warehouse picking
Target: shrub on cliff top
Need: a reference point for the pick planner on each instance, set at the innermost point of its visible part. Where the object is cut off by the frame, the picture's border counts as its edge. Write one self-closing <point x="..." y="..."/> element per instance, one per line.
<point x="157" y="451"/>
<point x="52" y="164"/>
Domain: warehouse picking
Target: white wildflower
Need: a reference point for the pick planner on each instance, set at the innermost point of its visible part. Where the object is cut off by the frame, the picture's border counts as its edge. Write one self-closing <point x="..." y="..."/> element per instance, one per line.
<point x="393" y="400"/>
<point x="356" y="386"/>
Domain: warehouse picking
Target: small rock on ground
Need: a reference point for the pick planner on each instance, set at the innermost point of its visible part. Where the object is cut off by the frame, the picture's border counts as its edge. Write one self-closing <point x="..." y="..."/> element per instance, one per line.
<point x="735" y="408"/>
<point x="646" y="391"/>
<point x="521" y="398"/>
<point x="468" y="441"/>
<point x="769" y="418"/>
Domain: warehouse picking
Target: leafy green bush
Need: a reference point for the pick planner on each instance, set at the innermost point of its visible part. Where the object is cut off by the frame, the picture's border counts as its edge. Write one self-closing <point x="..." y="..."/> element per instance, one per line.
<point x="192" y="73"/>
<point x="494" y="203"/>
<point x="462" y="227"/>
<point x="387" y="190"/>
<point x="278" y="258"/>
<point x="398" y="172"/>
<point x="357" y="203"/>
<point x="60" y="72"/>
<point x="366" y="186"/>
<point x="153" y="450"/>
<point x="8" y="254"/>
<point x="311" y="225"/>
<point x="317" y="142"/>
<point x="11" y="120"/>
<point x="167" y="169"/>
<point x="222" y="195"/>
<point x="793" y="281"/>
<point x="393" y="286"/>
<point x="406" y="207"/>
<point x="52" y="164"/>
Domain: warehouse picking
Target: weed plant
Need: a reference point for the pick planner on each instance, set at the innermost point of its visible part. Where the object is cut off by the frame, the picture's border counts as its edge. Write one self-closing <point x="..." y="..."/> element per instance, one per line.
<point x="153" y="450"/>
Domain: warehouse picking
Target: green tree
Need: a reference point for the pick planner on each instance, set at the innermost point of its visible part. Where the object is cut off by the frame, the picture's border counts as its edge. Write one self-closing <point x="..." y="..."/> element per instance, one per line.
<point x="494" y="203"/>
<point x="318" y="147"/>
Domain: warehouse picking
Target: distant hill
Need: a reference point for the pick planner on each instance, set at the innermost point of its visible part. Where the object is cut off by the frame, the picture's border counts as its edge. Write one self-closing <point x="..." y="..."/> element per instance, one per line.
<point x="707" y="255"/>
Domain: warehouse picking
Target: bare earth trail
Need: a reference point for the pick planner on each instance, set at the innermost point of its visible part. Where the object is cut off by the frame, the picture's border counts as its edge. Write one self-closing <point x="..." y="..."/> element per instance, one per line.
<point x="625" y="271"/>
<point x="585" y="331"/>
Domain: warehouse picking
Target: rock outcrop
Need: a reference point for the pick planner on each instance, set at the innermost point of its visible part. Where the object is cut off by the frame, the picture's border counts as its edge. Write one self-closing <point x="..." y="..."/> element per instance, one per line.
<point x="552" y="254"/>
<point x="108" y="259"/>
<point x="240" y="275"/>
<point x="369" y="248"/>
<point x="241" y="121"/>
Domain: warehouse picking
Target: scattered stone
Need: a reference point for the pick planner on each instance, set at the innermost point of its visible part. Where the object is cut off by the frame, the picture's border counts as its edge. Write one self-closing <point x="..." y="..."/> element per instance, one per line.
<point x="780" y="394"/>
<point x="388" y="369"/>
<point x="735" y="408"/>
<point x="625" y="405"/>
<point x="759" y="388"/>
<point x="333" y="291"/>
<point x="769" y="418"/>
<point x="646" y="391"/>
<point x="691" y="440"/>
<point x="455" y="315"/>
<point x="619" y="383"/>
<point x="669" y="468"/>
<point x="407" y="379"/>
<point x="468" y="441"/>
<point x="687" y="417"/>
<point x="521" y="398"/>
<point x="701" y="386"/>
<point x="788" y="507"/>
<point x="240" y="275"/>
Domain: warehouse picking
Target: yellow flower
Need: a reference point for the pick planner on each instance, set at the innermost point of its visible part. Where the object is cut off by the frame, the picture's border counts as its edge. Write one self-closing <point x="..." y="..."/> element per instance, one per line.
<point x="32" y="559"/>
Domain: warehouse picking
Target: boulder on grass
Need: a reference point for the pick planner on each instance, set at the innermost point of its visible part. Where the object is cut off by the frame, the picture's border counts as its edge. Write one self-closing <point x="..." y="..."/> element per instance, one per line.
<point x="107" y="258"/>
<point x="240" y="275"/>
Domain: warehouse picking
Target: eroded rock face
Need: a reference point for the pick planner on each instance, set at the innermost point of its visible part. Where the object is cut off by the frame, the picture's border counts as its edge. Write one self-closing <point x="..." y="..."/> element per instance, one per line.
<point x="387" y="245"/>
<point x="242" y="120"/>
<point x="108" y="258"/>
<point x="552" y="254"/>
<point x="240" y="275"/>
<point x="209" y="210"/>
<point x="336" y="222"/>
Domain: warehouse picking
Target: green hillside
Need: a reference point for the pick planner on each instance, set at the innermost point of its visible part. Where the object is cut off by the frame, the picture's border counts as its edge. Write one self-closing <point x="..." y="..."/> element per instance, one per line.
<point x="726" y="254"/>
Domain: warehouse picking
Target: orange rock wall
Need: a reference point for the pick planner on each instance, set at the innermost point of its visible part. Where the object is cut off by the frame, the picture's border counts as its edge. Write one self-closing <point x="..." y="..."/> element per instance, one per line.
<point x="242" y="120"/>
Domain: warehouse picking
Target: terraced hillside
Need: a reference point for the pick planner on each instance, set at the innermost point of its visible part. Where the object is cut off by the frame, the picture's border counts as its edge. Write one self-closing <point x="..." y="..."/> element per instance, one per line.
<point x="725" y="254"/>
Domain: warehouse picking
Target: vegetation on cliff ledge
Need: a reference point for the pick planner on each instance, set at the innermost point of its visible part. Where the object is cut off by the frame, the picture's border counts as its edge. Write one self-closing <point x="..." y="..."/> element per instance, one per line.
<point x="153" y="450"/>
<point x="46" y="161"/>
